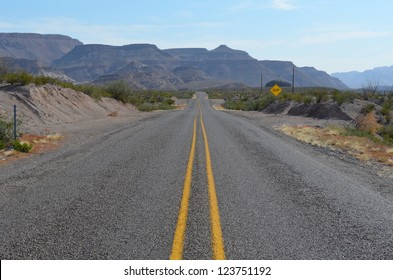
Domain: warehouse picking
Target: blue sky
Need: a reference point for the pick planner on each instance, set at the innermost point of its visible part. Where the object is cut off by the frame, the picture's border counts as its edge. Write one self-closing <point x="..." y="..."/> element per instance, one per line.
<point x="332" y="36"/>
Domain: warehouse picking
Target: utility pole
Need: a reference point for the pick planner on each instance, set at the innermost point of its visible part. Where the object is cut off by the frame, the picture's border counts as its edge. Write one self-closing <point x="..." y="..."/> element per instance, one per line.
<point x="261" y="84"/>
<point x="293" y="80"/>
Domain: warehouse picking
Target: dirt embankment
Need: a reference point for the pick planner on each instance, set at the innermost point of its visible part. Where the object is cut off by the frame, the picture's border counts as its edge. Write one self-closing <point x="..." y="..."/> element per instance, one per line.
<point x="41" y="107"/>
<point x="325" y="110"/>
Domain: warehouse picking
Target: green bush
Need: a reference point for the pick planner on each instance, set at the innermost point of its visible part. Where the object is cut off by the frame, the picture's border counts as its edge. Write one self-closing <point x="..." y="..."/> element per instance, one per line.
<point x="265" y="101"/>
<point x="6" y="131"/>
<point x="145" y="107"/>
<point x="350" y="131"/>
<point x="119" y="90"/>
<point x="320" y="95"/>
<point x="169" y="101"/>
<point x="21" y="147"/>
<point x="233" y="105"/>
<point x="339" y="98"/>
<point x="18" y="78"/>
<point x="307" y="99"/>
<point x="386" y="133"/>
<point x="367" y="108"/>
<point x="42" y="80"/>
<point x="250" y="105"/>
<point x="165" y="106"/>
<point x="95" y="92"/>
<point x="3" y="145"/>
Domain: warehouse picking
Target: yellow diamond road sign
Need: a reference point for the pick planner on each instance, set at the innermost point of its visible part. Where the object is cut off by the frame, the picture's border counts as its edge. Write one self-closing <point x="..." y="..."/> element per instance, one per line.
<point x="276" y="90"/>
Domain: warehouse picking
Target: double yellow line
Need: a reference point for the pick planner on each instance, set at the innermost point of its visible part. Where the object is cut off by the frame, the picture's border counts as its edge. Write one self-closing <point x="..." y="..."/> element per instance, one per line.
<point x="216" y="233"/>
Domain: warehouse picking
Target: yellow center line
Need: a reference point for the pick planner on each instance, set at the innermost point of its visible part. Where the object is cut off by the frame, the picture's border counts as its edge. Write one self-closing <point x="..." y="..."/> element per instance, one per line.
<point x="178" y="241"/>
<point x="216" y="232"/>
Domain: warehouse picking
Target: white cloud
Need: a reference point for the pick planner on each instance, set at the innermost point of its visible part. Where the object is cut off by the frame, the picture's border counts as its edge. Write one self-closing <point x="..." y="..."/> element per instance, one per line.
<point x="283" y="5"/>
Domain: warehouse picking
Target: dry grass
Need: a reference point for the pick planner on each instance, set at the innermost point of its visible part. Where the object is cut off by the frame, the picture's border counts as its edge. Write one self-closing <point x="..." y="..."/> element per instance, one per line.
<point x="368" y="123"/>
<point x="333" y="138"/>
<point x="218" y="107"/>
<point x="181" y="106"/>
<point x="113" y="114"/>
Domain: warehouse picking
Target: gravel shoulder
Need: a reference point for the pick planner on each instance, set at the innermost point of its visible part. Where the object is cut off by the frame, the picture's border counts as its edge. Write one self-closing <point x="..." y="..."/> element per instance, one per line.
<point x="379" y="175"/>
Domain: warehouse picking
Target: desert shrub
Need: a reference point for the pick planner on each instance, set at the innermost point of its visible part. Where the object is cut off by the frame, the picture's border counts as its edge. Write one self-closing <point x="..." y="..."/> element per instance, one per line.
<point x="234" y="105"/>
<point x="320" y="95"/>
<point x="21" y="146"/>
<point x="183" y="94"/>
<point x="352" y="131"/>
<point x="6" y="131"/>
<point x="119" y="90"/>
<point x="42" y="80"/>
<point x="18" y="78"/>
<point x="339" y="97"/>
<point x="265" y="101"/>
<point x="387" y="106"/>
<point x="342" y="97"/>
<point x="250" y="105"/>
<point x="215" y="95"/>
<point x="386" y="110"/>
<point x="296" y="97"/>
<point x="368" y="108"/>
<point x="95" y="92"/>
<point x="145" y="107"/>
<point x="136" y="101"/>
<point x="169" y="101"/>
<point x="306" y="99"/>
<point x="285" y="96"/>
<point x="165" y="106"/>
<point x="386" y="133"/>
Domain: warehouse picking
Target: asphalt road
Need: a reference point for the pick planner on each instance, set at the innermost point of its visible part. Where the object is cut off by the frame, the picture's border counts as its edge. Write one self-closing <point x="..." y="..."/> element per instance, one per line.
<point x="122" y="193"/>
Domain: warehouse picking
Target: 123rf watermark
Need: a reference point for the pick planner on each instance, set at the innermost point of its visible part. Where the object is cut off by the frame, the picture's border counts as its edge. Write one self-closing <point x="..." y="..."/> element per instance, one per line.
<point x="181" y="271"/>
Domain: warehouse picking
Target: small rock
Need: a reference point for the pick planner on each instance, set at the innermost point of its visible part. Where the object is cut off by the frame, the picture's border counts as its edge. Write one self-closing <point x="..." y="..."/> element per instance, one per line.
<point x="9" y="153"/>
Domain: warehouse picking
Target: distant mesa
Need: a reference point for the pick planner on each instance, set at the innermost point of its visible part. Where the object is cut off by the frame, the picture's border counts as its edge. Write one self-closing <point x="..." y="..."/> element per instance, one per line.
<point x="381" y="76"/>
<point x="43" y="48"/>
<point x="147" y="66"/>
<point x="224" y="52"/>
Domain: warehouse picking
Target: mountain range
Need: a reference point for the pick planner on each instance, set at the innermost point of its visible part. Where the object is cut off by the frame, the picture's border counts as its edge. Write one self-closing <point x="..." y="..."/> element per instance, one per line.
<point x="381" y="76"/>
<point x="147" y="66"/>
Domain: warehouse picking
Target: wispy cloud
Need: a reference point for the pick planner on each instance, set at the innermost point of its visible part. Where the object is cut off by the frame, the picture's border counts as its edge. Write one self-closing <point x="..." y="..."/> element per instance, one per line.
<point x="186" y="14"/>
<point x="283" y="5"/>
<point x="244" y="6"/>
<point x="109" y="34"/>
<point x="6" y="25"/>
<point x="342" y="35"/>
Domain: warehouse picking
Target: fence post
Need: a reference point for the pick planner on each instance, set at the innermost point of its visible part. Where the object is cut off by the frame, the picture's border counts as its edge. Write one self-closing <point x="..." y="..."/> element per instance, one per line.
<point x="14" y="122"/>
